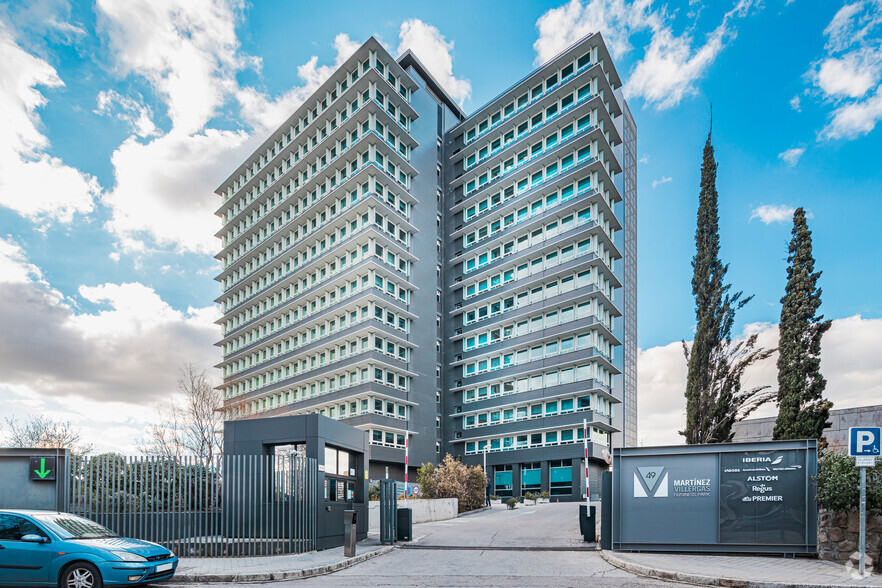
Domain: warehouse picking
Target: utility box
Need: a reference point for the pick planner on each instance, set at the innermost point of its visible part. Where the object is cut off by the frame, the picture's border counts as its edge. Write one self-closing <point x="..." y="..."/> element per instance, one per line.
<point x="405" y="524"/>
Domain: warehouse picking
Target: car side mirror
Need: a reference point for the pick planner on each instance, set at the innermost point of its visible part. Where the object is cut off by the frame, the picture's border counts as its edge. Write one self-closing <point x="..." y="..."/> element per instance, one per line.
<point x="31" y="538"/>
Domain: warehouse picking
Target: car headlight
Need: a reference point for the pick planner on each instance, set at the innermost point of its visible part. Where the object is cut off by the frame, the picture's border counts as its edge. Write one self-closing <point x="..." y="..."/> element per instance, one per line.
<point x="127" y="556"/>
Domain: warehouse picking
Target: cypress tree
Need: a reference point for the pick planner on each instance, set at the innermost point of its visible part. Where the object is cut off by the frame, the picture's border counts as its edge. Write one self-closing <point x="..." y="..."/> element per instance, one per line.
<point x="802" y="409"/>
<point x="708" y="289"/>
<point x="714" y="399"/>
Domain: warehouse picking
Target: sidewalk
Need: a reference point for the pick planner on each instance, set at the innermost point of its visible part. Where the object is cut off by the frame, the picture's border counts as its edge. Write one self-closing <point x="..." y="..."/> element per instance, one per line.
<point x="277" y="567"/>
<point x="741" y="571"/>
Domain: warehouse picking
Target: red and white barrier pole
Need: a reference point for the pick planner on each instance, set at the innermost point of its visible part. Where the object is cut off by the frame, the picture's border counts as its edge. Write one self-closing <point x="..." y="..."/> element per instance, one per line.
<point x="406" y="452"/>
<point x="587" y="486"/>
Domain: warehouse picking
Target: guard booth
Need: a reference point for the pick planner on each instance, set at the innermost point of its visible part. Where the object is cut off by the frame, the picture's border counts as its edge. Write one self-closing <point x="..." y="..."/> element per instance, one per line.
<point x="341" y="451"/>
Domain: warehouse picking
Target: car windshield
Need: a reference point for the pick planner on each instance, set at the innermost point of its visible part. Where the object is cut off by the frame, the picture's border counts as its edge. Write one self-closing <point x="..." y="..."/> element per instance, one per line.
<point x="68" y="526"/>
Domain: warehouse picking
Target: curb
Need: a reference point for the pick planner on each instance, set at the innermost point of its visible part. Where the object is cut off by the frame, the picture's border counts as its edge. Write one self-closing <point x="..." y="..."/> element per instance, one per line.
<point x="470" y="512"/>
<point x="272" y="576"/>
<point x="701" y="580"/>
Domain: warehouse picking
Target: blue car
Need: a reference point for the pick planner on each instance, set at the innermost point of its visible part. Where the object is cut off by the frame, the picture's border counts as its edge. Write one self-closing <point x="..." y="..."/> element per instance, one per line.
<point x="45" y="548"/>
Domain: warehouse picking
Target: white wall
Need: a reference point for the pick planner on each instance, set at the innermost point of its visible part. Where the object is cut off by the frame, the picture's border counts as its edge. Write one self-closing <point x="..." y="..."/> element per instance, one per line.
<point x="424" y="511"/>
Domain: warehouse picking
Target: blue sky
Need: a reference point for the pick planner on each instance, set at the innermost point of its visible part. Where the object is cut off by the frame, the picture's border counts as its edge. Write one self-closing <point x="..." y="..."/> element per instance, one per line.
<point x="124" y="118"/>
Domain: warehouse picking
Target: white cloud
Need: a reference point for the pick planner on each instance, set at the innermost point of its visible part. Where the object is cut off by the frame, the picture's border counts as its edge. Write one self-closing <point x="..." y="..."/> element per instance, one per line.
<point x="854" y="119"/>
<point x="849" y="361"/>
<point x="265" y="114"/>
<point x="791" y="156"/>
<point x="433" y="50"/>
<point x="188" y="51"/>
<point x="190" y="55"/>
<point x="105" y="370"/>
<point x="849" y="76"/>
<point x="644" y="159"/>
<point x="132" y="111"/>
<point x="48" y="19"/>
<point x="164" y="189"/>
<point x="33" y="183"/>
<point x="795" y="104"/>
<point x="14" y="266"/>
<point x="671" y="64"/>
<point x="128" y="350"/>
<point x="614" y="19"/>
<point x="773" y="213"/>
<point x="663" y="180"/>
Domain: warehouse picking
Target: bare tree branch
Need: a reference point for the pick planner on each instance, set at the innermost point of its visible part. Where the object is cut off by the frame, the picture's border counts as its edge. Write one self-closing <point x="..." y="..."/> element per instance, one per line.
<point x="45" y="432"/>
<point x="191" y="426"/>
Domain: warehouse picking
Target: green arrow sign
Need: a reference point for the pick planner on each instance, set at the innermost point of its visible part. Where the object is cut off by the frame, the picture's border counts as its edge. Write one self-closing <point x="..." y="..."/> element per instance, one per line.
<point x="42" y="472"/>
<point x="42" y="468"/>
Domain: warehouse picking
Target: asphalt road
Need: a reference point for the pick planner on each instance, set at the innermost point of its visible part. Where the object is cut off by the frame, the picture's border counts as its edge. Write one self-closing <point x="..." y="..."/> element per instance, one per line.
<point x="530" y="546"/>
<point x="554" y="525"/>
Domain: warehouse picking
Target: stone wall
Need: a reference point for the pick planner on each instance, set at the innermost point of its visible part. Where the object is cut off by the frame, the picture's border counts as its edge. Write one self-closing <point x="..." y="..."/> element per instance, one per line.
<point x="838" y="536"/>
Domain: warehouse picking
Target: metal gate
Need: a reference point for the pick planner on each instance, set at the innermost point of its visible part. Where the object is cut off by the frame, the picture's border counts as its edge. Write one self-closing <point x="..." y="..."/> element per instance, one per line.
<point x="234" y="505"/>
<point x="388" y="512"/>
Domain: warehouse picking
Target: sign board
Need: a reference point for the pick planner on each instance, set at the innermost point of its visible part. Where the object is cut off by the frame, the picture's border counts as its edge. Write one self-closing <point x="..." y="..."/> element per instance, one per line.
<point x="412" y="489"/>
<point x="865" y="461"/>
<point x="728" y="497"/>
<point x="864" y="441"/>
<point x="42" y="469"/>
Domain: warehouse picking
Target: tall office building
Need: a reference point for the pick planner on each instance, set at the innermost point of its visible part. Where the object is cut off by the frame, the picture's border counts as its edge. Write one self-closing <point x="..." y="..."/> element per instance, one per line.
<point x="433" y="278"/>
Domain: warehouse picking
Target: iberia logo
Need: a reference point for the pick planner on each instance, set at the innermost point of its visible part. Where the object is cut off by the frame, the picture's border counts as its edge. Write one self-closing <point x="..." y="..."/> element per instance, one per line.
<point x="651" y="482"/>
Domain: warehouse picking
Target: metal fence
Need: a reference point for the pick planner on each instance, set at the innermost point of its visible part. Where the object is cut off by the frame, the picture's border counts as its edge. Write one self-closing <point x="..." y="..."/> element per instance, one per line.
<point x="233" y="505"/>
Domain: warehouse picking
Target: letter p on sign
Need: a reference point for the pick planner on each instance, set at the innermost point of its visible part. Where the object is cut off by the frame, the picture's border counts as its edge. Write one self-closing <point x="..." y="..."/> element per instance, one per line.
<point x="863" y="441"/>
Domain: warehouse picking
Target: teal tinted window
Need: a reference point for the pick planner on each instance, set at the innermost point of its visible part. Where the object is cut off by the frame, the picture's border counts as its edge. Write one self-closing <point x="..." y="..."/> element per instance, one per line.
<point x="561" y="474"/>
<point x="503" y="480"/>
<point x="531" y="477"/>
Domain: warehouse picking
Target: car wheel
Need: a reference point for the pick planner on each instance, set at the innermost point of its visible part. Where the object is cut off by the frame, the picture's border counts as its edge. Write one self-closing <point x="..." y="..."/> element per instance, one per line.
<point x="81" y="575"/>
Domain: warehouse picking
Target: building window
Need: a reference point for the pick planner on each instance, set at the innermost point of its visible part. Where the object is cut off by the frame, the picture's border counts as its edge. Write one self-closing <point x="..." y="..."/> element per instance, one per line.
<point x="502" y="484"/>
<point x="531" y="477"/>
<point x="561" y="477"/>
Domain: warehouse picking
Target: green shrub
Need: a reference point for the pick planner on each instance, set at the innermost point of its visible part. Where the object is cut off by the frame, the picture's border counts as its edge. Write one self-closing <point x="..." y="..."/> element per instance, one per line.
<point x="453" y="479"/>
<point x="530" y="496"/>
<point x="839" y="483"/>
<point x="494" y="497"/>
<point x="512" y="503"/>
<point x="374" y="492"/>
<point x="544" y="495"/>
<point x="426" y="480"/>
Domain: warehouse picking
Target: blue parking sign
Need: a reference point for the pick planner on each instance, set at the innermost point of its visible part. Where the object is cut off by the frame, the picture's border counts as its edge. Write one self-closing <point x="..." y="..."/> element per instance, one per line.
<point x="864" y="441"/>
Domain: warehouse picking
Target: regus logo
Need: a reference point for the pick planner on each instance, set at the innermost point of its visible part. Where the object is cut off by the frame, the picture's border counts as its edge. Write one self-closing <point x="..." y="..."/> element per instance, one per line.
<point x="651" y="482"/>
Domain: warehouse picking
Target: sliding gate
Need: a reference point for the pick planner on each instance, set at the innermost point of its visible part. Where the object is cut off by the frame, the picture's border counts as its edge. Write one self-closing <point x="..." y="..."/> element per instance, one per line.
<point x="232" y="505"/>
